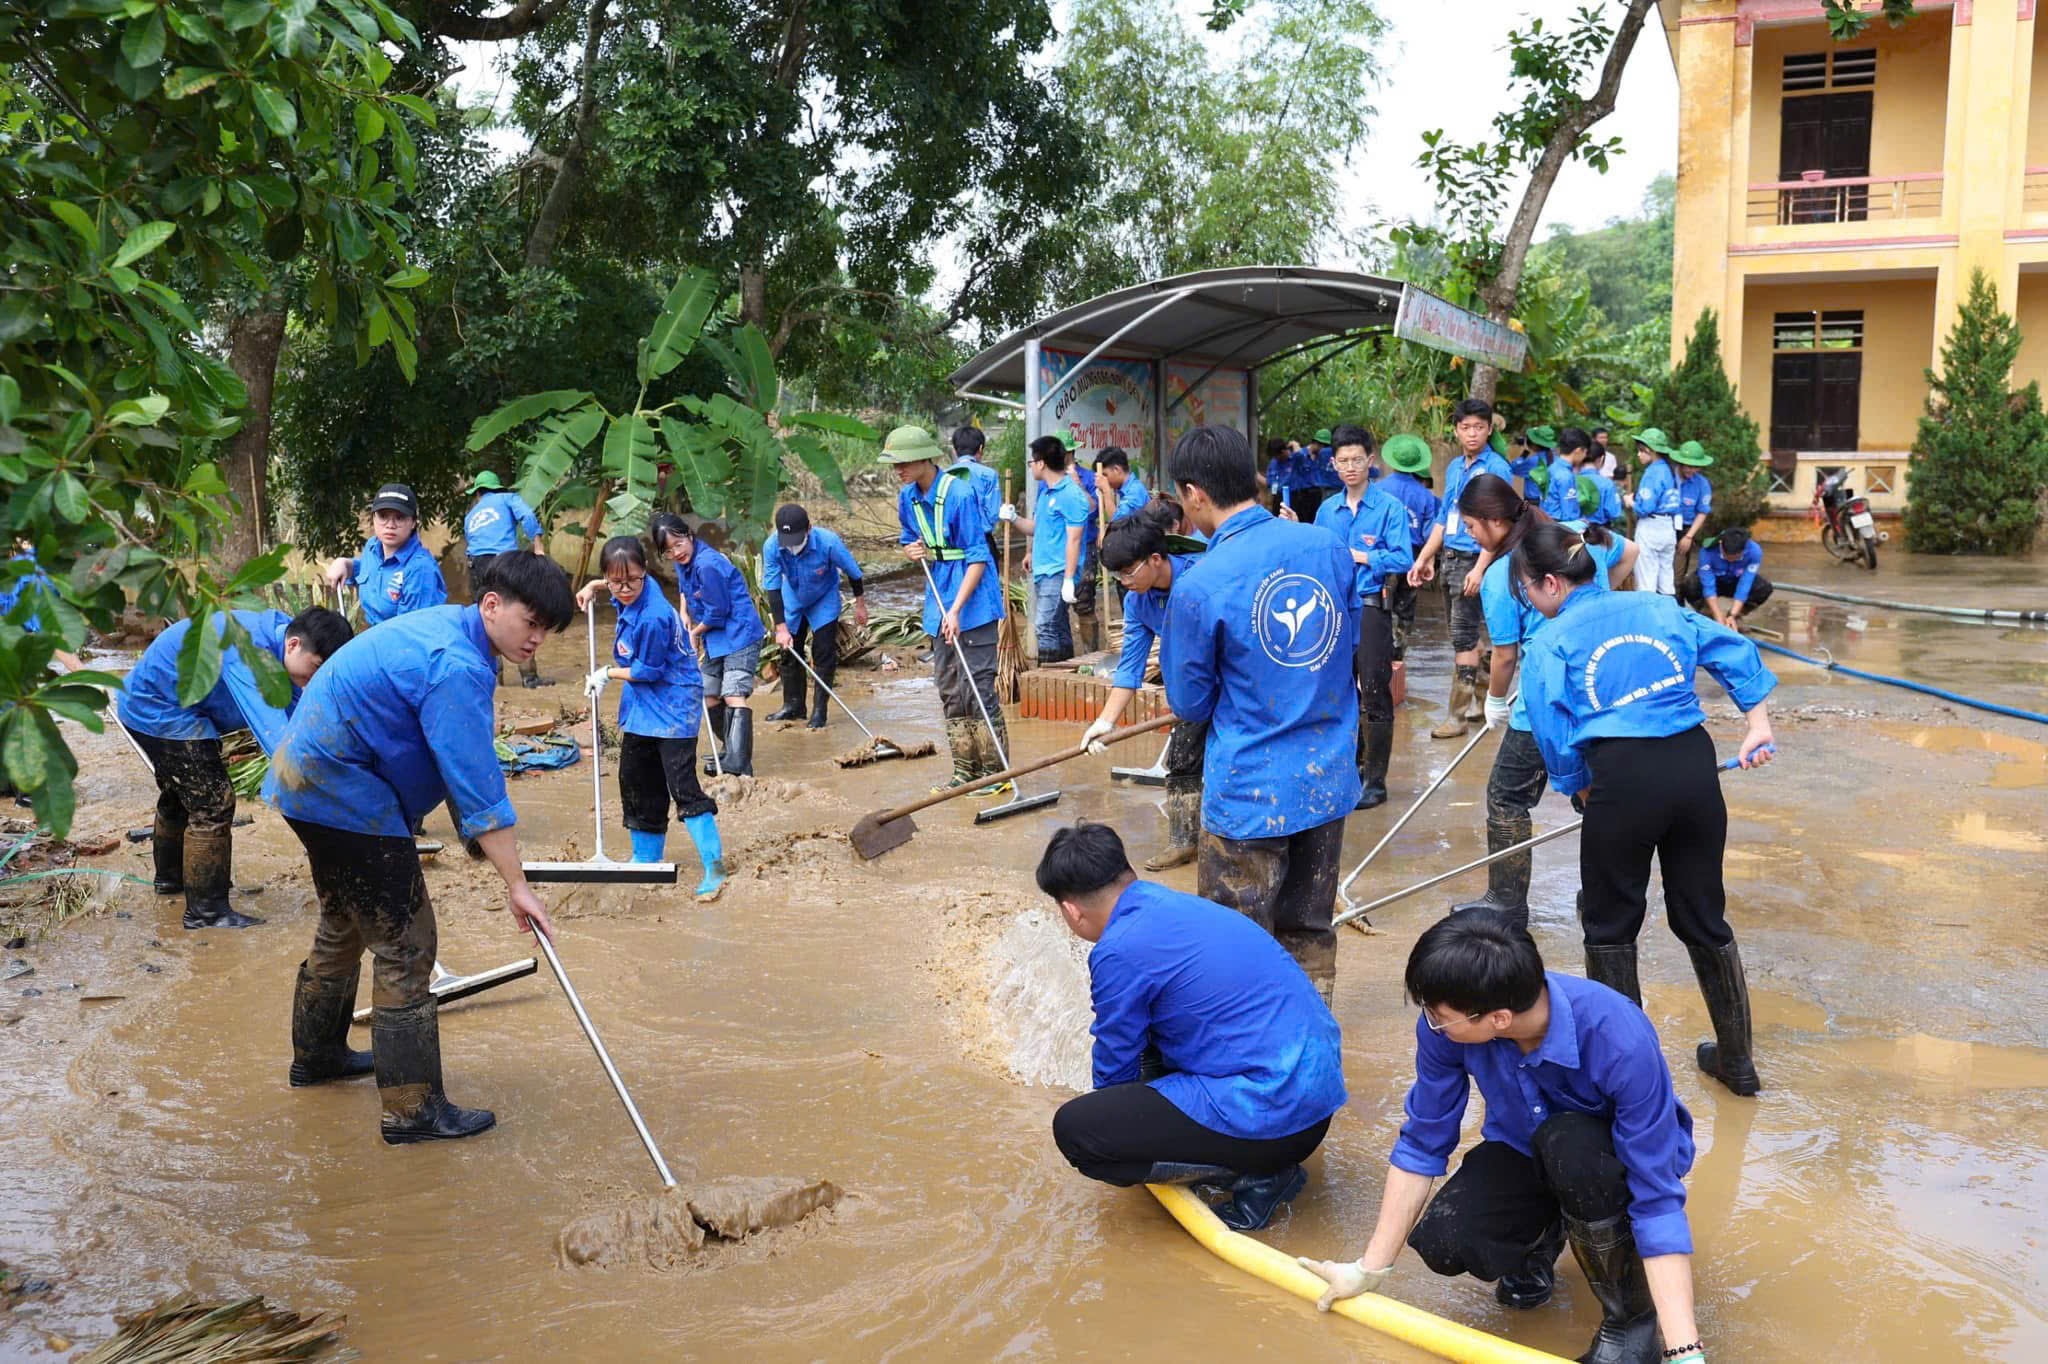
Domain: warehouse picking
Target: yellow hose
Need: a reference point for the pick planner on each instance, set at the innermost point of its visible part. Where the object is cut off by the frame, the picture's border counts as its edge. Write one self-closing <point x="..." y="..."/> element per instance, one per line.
<point x="1412" y="1325"/>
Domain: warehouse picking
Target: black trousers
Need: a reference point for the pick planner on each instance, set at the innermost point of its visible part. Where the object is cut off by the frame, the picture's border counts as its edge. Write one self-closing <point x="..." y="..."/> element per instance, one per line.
<point x="1117" y="1134"/>
<point x="1305" y="502"/>
<point x="1401" y="602"/>
<point x="1692" y="594"/>
<point x="195" y="814"/>
<point x="372" y="895"/>
<point x="1662" y="797"/>
<point x="653" y="772"/>
<point x="1288" y="886"/>
<point x="1500" y="1203"/>
<point x="823" y="658"/>
<point x="1373" y="664"/>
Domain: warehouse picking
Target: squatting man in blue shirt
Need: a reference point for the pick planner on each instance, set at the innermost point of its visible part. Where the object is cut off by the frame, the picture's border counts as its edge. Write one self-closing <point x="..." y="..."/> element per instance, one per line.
<point x="1215" y="1062"/>
<point x="1584" y="1141"/>
<point x="398" y="721"/>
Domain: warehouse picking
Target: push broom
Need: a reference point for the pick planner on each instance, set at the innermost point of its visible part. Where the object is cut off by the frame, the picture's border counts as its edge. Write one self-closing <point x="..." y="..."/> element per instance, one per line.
<point x="877" y="748"/>
<point x="600" y="869"/>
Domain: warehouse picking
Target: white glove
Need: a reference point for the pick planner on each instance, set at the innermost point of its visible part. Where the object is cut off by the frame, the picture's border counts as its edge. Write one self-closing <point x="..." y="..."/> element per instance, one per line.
<point x="1347" y="1278"/>
<point x="1067" y="590"/>
<point x="1092" y="740"/>
<point x="1498" y="708"/>
<point x="593" y="685"/>
<point x="1008" y="512"/>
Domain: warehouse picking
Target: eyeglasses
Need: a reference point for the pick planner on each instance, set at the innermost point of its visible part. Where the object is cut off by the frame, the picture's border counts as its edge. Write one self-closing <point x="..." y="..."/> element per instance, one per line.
<point x="1125" y="576"/>
<point x="1435" y="1026"/>
<point x="1351" y="461"/>
<point x="632" y="581"/>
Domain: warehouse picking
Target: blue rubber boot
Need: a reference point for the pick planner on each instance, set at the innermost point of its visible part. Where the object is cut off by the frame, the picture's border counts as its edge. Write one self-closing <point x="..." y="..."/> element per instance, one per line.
<point x="703" y="831"/>
<point x="649" y="847"/>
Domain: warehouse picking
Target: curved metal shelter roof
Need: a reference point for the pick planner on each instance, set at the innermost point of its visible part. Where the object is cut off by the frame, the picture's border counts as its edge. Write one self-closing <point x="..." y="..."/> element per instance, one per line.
<point x="1241" y="318"/>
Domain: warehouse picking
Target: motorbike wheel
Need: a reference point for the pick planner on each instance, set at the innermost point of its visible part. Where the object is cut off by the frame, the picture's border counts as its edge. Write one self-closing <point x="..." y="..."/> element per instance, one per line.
<point x="1837" y="544"/>
<point x="1868" y="551"/>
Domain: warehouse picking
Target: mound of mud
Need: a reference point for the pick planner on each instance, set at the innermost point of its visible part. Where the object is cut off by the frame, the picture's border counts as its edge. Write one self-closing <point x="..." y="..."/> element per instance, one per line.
<point x="671" y="1230"/>
<point x="735" y="794"/>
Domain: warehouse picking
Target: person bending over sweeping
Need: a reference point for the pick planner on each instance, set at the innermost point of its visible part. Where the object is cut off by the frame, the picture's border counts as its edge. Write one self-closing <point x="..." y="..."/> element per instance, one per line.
<point x="1260" y="632"/>
<point x="399" y="722"/>
<point x="1138" y="554"/>
<point x="1585" y="1140"/>
<point x="661" y="708"/>
<point x="1215" y="1062"/>
<point x="725" y="624"/>
<point x="800" y="570"/>
<point x="193" y="841"/>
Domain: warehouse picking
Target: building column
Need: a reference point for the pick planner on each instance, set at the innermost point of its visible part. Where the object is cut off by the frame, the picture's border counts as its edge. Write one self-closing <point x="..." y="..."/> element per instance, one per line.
<point x="1707" y="194"/>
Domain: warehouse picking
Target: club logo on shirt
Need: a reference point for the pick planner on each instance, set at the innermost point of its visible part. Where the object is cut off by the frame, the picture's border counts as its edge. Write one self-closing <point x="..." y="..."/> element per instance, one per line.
<point x="480" y="518"/>
<point x="1296" y="621"/>
<point x="1633" y="666"/>
<point x="397" y="585"/>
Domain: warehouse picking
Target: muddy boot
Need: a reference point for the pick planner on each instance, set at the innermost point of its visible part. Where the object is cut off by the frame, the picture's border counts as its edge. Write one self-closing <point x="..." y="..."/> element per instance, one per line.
<point x="960" y="742"/>
<point x="739" y="742"/>
<point x="1615" y="967"/>
<point x="407" y="1043"/>
<point x="1475" y="696"/>
<point x="1089" y="628"/>
<point x="214" y="913"/>
<point x="1507" y="881"/>
<point x="1183" y="829"/>
<point x="1606" y="1250"/>
<point x="714" y="741"/>
<point x="793" y="687"/>
<point x="988" y="759"/>
<point x="167" y="848"/>
<point x="1532" y="1285"/>
<point x="1727" y="1058"/>
<point x="1453" y="726"/>
<point x="1375" y="752"/>
<point x="320" y="1018"/>
<point x="821" y="707"/>
<point x="529" y="675"/>
<point x="1255" y="1198"/>
<point x="703" y="832"/>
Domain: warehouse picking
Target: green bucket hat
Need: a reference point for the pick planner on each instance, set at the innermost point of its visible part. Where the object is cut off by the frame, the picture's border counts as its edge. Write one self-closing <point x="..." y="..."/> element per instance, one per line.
<point x="1650" y="438"/>
<point x="1322" y="435"/>
<point x="1498" y="443"/>
<point x="1543" y="437"/>
<point x="487" y="479"/>
<point x="1066" y="440"/>
<point x="909" y="444"/>
<point x="1693" y="453"/>
<point x="1407" y="453"/>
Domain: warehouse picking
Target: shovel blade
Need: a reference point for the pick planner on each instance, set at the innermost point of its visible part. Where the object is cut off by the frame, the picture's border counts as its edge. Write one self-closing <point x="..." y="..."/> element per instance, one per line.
<point x="874" y="835"/>
<point x="605" y="873"/>
<point x="1015" y="807"/>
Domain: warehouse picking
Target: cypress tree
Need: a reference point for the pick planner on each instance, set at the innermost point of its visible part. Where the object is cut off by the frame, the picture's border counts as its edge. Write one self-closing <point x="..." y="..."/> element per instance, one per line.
<point x="1695" y="401"/>
<point x="1980" y="458"/>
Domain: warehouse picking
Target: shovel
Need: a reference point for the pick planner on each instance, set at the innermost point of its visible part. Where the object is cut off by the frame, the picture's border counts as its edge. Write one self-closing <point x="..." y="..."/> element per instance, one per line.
<point x="880" y="748"/>
<point x="600" y="868"/>
<point x="1019" y="803"/>
<point x="883" y="830"/>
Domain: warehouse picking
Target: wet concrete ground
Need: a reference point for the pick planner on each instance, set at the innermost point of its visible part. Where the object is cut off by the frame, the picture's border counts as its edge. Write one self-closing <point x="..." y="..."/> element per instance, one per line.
<point x="1882" y="1200"/>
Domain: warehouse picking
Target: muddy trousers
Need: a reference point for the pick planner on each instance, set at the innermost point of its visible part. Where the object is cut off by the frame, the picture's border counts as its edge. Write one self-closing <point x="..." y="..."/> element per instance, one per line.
<point x="1372" y="666"/>
<point x="1117" y="1134"/>
<point x="1186" y="745"/>
<point x="1500" y="1204"/>
<point x="820" y="648"/>
<point x="974" y="751"/>
<point x="1654" y="796"/>
<point x="1288" y="886"/>
<point x="195" y="815"/>
<point x="373" y="895"/>
<point x="1401" y="600"/>
<point x="652" y="773"/>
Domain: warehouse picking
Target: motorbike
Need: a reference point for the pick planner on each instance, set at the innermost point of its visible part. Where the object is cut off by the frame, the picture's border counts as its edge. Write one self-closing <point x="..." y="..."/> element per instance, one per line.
<point x="1847" y="529"/>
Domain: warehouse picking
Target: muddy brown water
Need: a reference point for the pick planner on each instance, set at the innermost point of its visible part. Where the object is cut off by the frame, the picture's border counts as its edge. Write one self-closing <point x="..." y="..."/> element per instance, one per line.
<point x="877" y="1026"/>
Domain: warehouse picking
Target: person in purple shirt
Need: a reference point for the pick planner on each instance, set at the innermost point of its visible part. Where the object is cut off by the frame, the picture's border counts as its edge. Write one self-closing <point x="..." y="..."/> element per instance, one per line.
<point x="1584" y="1141"/>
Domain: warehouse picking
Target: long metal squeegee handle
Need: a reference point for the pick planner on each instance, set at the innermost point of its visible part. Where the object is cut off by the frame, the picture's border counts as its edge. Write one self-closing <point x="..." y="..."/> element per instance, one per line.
<point x="966" y="673"/>
<point x="1428" y="791"/>
<point x="1361" y="911"/>
<point x="596" y="734"/>
<point x="798" y="656"/>
<point x="604" y="1058"/>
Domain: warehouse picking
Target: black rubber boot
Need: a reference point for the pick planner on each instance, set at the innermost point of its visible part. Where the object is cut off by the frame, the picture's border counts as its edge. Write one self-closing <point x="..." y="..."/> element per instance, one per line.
<point x="407" y="1042"/>
<point x="1255" y="1198"/>
<point x="167" y="849"/>
<point x="1615" y="967"/>
<point x="1179" y="1172"/>
<point x="320" y="1018"/>
<point x="213" y="912"/>
<point x="1375" y="752"/>
<point x="1726" y="989"/>
<point x="714" y="741"/>
<point x="820" y="711"/>
<point x="793" y="685"/>
<point x="739" y="743"/>
<point x="1606" y="1250"/>
<point x="1532" y="1285"/>
<point x="1507" y="881"/>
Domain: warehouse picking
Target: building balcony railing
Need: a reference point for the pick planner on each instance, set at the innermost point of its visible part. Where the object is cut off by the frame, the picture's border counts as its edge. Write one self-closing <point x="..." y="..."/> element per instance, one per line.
<point x="1814" y="198"/>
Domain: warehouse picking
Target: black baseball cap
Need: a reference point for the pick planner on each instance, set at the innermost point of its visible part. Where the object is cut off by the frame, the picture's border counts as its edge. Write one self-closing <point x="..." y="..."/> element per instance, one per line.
<point x="792" y="524"/>
<point x="396" y="497"/>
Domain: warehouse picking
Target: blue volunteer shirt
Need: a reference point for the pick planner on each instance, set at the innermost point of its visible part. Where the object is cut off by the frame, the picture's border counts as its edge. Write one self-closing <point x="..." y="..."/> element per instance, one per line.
<point x="1145" y="621"/>
<point x="494" y="523"/>
<point x="959" y="537"/>
<point x="806" y="582"/>
<point x="1599" y="1056"/>
<point x="1377" y="528"/>
<point x="1281" y="475"/>
<point x="392" y="726"/>
<point x="33" y="583"/>
<point x="1721" y="576"/>
<point x="1511" y="621"/>
<point x="148" y="703"/>
<point x="1619" y="665"/>
<point x="1525" y="469"/>
<point x="1456" y="476"/>
<point x="719" y="600"/>
<point x="664" y="697"/>
<point x="1420" y="503"/>
<point x="988" y="487"/>
<point x="1130" y="498"/>
<point x="1657" y="490"/>
<point x="1261" y="633"/>
<point x="1250" y="1050"/>
<point x="1322" y="467"/>
<point x="393" y="584"/>
<point x="1561" y="498"/>
<point x="1061" y="507"/>
<point x="1090" y="532"/>
<point x="1695" y="499"/>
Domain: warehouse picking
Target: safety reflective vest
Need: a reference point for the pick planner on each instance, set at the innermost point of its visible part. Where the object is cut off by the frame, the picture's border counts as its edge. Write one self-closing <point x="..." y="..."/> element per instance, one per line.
<point x="935" y="537"/>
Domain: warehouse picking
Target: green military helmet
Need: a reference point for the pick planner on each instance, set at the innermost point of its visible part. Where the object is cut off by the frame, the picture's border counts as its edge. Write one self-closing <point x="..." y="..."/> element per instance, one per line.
<point x="1650" y="438"/>
<point x="909" y="445"/>
<point x="1543" y="437"/>
<point x="1407" y="452"/>
<point x="1692" y="453"/>
<point x="488" y="479"/>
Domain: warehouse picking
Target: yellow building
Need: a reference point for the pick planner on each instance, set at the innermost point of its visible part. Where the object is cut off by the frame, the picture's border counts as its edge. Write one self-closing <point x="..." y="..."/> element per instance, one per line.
<point x="1833" y="200"/>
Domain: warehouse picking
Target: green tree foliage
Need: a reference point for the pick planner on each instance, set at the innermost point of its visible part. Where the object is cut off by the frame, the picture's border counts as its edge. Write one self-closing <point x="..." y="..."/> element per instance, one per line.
<point x="146" y="148"/>
<point x="1980" y="458"/>
<point x="1846" y="20"/>
<point x="1625" y="270"/>
<point x="1695" y="401"/>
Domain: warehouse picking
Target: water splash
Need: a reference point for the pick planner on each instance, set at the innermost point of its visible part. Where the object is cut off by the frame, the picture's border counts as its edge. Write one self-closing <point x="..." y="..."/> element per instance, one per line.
<point x="1038" y="1001"/>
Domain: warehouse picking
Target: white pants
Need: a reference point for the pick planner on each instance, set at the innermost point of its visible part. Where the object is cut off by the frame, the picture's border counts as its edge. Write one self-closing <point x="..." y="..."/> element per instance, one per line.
<point x="1656" y="549"/>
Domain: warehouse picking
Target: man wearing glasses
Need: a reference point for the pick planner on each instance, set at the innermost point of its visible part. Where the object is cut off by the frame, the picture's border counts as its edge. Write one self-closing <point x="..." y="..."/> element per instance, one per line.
<point x="1584" y="1140"/>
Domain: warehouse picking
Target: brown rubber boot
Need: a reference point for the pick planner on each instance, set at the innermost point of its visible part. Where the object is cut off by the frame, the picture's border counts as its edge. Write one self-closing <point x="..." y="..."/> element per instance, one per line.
<point x="1453" y="726"/>
<point x="960" y="741"/>
<point x="1183" y="826"/>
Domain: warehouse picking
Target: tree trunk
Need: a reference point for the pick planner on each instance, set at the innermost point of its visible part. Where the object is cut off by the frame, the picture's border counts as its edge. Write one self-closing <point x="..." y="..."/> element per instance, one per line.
<point x="254" y="341"/>
<point x="554" y="210"/>
<point x="788" y="73"/>
<point x="1501" y="290"/>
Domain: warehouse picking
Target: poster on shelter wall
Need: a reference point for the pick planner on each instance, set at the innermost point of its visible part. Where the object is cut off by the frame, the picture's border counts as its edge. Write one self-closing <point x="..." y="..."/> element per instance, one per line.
<point x="1110" y="402"/>
<point x="1198" y="396"/>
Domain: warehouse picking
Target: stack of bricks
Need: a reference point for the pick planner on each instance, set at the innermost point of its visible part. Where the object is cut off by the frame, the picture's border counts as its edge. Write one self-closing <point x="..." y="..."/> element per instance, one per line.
<point x="1066" y="694"/>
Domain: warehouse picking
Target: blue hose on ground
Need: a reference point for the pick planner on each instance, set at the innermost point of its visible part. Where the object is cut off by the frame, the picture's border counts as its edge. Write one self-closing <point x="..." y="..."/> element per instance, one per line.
<point x="1966" y="612"/>
<point x="1831" y="666"/>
